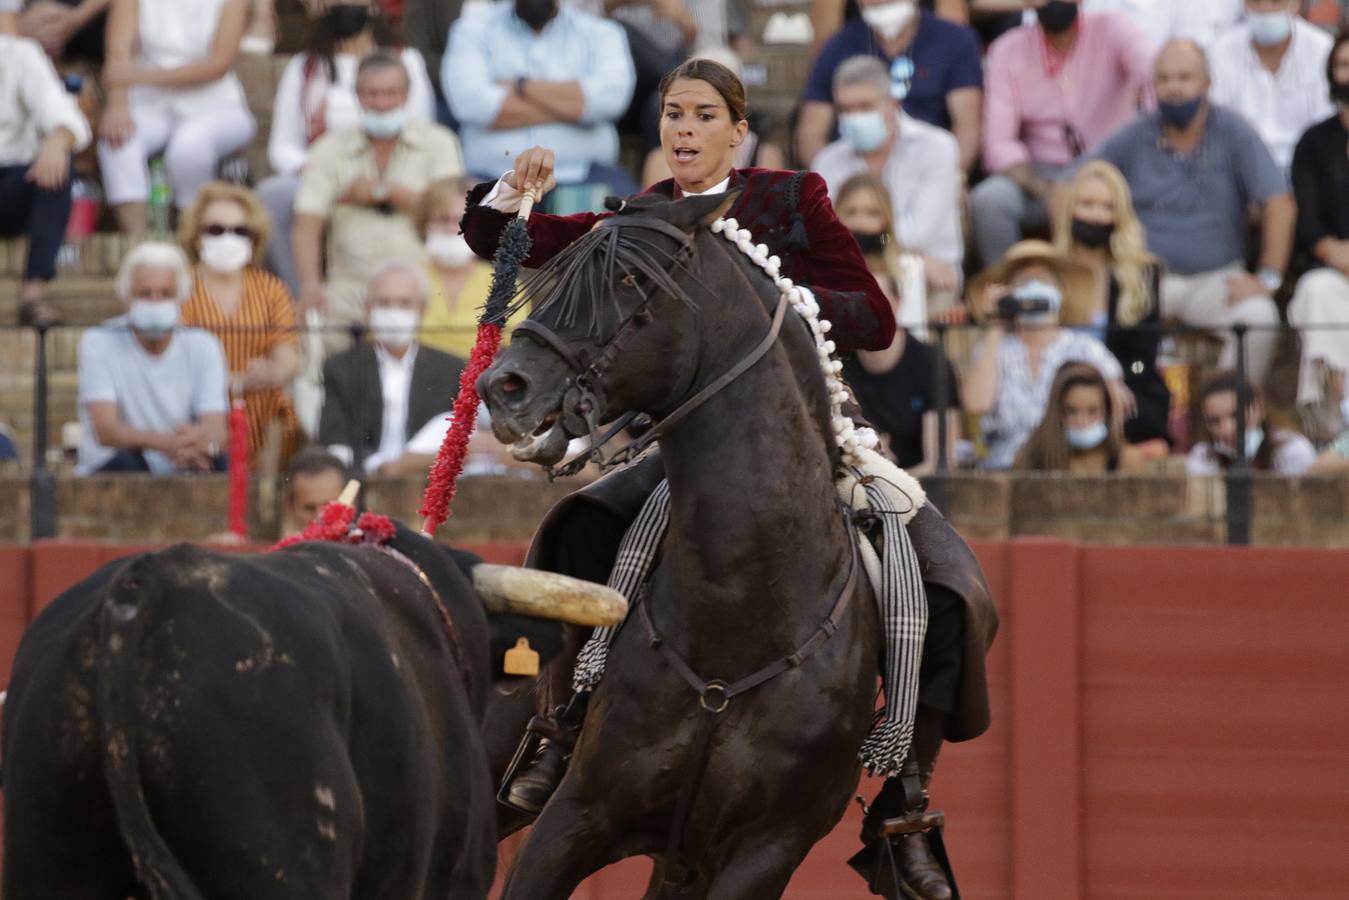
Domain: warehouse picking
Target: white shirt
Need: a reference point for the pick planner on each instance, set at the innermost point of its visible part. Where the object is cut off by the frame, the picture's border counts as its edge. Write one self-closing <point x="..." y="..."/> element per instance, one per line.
<point x="923" y="176"/>
<point x="171" y="34"/>
<point x="33" y="103"/>
<point x="504" y="198"/>
<point x="1293" y="454"/>
<point x="288" y="146"/>
<point x="1279" y="105"/>
<point x="718" y="188"/>
<point x="395" y="383"/>
<point x="1161" y="20"/>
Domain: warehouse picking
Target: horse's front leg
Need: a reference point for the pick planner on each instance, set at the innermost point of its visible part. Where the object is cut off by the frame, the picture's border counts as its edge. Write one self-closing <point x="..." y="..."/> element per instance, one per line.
<point x="568" y="842"/>
<point x="754" y="870"/>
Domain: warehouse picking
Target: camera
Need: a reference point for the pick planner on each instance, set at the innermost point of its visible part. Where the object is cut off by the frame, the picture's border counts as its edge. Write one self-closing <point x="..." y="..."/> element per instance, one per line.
<point x="1030" y="299"/>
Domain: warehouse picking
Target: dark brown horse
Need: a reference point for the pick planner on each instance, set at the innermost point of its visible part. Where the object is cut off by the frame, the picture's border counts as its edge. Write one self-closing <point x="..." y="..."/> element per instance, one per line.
<point x="757" y="555"/>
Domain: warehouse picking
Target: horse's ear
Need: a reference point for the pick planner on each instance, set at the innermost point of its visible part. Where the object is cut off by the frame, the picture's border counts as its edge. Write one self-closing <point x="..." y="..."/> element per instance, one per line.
<point x="691" y="212"/>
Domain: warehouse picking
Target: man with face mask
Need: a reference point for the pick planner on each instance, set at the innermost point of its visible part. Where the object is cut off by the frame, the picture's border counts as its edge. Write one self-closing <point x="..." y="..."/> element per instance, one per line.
<point x="153" y="394"/>
<point x="1271" y="69"/>
<point x="918" y="162"/>
<point x="364" y="185"/>
<point x="1195" y="169"/>
<point x="386" y="401"/>
<point x="1056" y="89"/>
<point x="934" y="68"/>
<point x="540" y="72"/>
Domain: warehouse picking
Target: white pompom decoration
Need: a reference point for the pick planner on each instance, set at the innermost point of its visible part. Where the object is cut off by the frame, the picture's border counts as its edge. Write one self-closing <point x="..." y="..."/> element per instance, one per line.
<point x="850" y="439"/>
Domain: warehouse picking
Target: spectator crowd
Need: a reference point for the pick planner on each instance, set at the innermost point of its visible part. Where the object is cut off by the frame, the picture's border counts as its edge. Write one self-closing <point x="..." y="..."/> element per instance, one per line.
<point x="1084" y="199"/>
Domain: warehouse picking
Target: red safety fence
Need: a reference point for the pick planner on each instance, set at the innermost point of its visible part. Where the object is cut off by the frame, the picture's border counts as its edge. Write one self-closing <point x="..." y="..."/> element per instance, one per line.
<point x="1168" y="723"/>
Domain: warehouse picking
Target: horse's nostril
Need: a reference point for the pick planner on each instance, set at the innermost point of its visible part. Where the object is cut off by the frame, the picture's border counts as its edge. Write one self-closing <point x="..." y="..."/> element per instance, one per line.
<point x="510" y="383"/>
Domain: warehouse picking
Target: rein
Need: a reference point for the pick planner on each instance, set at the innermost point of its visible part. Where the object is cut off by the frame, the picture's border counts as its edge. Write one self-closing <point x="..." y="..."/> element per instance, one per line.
<point x="582" y="400"/>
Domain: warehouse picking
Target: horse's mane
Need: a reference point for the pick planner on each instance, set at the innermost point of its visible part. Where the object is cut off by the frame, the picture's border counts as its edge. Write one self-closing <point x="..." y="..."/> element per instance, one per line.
<point x="576" y="289"/>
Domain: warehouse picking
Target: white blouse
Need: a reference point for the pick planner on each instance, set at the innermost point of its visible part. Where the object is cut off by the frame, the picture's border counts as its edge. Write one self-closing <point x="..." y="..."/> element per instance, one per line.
<point x="1023" y="395"/>
<point x="174" y="33"/>
<point x="288" y="147"/>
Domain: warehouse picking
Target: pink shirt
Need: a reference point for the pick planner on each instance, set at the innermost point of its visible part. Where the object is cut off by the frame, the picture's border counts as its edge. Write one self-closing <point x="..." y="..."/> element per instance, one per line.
<point x="1029" y="95"/>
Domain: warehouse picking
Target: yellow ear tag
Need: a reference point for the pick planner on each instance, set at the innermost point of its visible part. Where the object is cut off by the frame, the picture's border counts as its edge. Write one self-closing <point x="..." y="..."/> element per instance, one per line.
<point x="521" y="659"/>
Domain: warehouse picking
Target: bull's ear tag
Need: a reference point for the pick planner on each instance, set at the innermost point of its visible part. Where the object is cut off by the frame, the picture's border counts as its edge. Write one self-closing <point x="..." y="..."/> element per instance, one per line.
<point x="522" y="659"/>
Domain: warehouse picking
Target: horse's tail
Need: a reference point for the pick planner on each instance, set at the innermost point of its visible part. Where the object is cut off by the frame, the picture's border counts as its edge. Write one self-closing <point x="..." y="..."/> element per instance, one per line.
<point x="121" y="626"/>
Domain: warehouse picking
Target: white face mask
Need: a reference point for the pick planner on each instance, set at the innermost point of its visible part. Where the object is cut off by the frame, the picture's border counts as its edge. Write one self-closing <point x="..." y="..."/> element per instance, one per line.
<point x="225" y="252"/>
<point x="1268" y="29"/>
<point x="889" y="19"/>
<point x="394" y="327"/>
<point x="450" y="250"/>
<point x="384" y="125"/>
<point x="153" y="318"/>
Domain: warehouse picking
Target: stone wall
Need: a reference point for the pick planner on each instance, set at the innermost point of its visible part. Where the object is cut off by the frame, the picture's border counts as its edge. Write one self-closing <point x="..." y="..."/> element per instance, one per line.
<point x="1106" y="510"/>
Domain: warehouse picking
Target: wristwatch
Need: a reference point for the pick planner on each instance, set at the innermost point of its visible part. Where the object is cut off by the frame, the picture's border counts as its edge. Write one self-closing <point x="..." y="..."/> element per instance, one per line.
<point x="1269" y="279"/>
<point x="520" y="85"/>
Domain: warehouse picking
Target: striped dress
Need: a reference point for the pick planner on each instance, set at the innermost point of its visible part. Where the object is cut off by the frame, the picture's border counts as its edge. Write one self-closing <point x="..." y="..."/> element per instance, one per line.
<point x="264" y="320"/>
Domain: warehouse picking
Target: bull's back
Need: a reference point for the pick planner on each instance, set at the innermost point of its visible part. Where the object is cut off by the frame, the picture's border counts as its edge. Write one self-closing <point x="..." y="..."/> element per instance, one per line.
<point x="274" y="721"/>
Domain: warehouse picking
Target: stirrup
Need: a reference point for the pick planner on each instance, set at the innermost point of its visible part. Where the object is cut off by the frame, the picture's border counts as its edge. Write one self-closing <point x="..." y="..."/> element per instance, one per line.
<point x="551" y="727"/>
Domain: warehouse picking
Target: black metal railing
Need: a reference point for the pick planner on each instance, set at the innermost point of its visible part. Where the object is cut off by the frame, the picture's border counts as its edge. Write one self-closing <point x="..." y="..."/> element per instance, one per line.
<point x="1237" y="476"/>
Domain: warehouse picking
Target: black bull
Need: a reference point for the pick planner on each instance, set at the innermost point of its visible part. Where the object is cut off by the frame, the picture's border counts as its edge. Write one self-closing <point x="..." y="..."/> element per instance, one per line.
<point x="191" y="724"/>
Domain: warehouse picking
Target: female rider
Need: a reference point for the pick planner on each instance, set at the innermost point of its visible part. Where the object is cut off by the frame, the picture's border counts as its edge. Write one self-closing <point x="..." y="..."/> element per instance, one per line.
<point x="702" y="124"/>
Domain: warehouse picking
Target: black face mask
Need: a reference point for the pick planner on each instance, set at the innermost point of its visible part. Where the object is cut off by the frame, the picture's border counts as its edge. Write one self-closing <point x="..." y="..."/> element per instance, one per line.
<point x="536" y="13"/>
<point x="1090" y="234"/>
<point x="347" y="20"/>
<point x="1339" y="92"/>
<point x="1057" y="16"/>
<point x="1181" y="113"/>
<point x="871" y="244"/>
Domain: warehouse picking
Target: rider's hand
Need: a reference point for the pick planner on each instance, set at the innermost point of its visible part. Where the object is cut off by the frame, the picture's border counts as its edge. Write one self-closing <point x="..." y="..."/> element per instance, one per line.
<point x="533" y="172"/>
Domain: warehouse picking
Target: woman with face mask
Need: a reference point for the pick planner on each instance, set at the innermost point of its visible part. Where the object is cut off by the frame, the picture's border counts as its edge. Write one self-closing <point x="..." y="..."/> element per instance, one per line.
<point x="863" y="207"/>
<point x="1024" y="301"/>
<point x="459" y="280"/>
<point x="317" y="95"/>
<point x="1095" y="225"/>
<point x="247" y="308"/>
<point x="1321" y="186"/>
<point x="1077" y="433"/>
<point x="1267" y="449"/>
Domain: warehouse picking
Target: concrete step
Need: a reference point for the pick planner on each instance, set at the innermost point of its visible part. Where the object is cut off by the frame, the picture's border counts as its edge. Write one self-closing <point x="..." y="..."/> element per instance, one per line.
<point x="82" y="299"/>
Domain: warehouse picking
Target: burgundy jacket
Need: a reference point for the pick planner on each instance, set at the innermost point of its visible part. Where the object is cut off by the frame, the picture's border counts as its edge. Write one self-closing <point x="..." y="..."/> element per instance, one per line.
<point x="831" y="264"/>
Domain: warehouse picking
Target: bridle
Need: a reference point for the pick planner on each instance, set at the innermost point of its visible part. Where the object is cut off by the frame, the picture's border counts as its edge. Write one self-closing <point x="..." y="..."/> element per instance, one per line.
<point x="583" y="400"/>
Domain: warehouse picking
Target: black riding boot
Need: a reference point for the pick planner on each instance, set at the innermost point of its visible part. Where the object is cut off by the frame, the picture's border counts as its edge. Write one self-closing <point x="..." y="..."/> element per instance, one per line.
<point x="908" y="856"/>
<point x="533" y="785"/>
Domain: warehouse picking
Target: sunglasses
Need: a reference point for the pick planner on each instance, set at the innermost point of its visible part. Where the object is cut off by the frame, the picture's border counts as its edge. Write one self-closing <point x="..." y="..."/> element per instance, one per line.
<point x="242" y="231"/>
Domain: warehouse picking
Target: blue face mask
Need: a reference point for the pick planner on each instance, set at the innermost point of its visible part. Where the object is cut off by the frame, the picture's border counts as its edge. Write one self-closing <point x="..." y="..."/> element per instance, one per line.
<point x="384" y="125"/>
<point x="864" y="131"/>
<point x="1086" y="438"/>
<point x="153" y="318"/>
<point x="1268" y="29"/>
<point x="1180" y="114"/>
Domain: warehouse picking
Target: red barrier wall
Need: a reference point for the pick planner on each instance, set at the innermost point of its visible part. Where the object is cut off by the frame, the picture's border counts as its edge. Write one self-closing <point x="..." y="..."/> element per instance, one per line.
<point x="1168" y="723"/>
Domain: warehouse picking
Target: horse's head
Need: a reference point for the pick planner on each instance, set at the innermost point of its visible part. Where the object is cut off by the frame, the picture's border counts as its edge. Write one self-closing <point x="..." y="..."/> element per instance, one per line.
<point x="614" y="328"/>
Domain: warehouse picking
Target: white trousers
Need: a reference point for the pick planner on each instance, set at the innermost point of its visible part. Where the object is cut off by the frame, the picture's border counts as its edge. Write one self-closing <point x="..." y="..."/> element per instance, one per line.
<point x="1201" y="302"/>
<point x="192" y="146"/>
<point x="1321" y="299"/>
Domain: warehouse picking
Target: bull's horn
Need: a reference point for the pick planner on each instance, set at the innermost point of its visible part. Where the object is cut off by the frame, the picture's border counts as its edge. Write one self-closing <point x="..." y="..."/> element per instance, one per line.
<point x="548" y="595"/>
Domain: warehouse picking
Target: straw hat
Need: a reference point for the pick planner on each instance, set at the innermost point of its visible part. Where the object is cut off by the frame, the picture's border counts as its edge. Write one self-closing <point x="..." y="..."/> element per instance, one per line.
<point x="1076" y="280"/>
